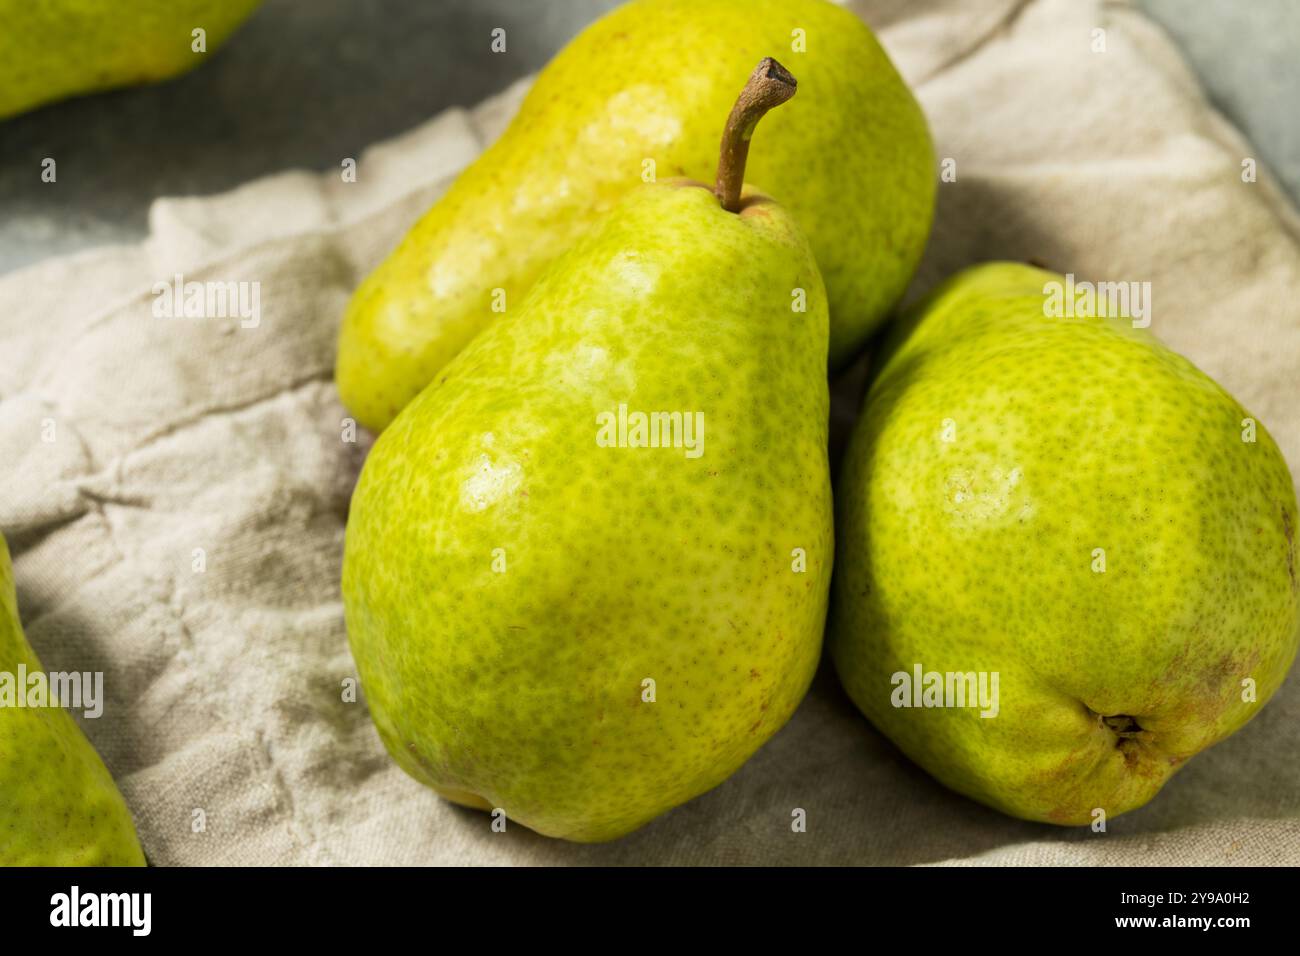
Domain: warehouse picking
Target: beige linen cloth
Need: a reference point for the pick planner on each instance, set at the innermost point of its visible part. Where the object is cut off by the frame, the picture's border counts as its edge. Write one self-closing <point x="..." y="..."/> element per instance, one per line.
<point x="129" y="442"/>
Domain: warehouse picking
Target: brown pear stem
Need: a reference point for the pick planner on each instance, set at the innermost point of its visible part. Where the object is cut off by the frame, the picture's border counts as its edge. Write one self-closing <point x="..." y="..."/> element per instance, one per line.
<point x="769" y="85"/>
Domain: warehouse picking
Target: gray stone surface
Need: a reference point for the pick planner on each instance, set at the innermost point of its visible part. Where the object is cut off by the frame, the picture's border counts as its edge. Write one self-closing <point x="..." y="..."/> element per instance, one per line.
<point x="1247" y="55"/>
<point x="305" y="84"/>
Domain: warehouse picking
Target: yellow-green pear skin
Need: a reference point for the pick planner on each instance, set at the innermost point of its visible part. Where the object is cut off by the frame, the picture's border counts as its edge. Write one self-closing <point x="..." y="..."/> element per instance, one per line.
<point x="1069" y="504"/>
<point x="58" y="804"/>
<point x="643" y="93"/>
<point x="53" y="49"/>
<point x="553" y="620"/>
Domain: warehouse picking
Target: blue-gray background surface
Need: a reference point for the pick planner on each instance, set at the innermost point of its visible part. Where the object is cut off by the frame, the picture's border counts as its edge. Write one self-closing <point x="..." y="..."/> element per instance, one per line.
<point x="307" y="82"/>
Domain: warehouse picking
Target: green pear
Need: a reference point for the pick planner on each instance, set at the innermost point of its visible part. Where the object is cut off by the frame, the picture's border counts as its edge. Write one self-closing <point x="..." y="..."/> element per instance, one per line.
<point x="586" y="570"/>
<point x="58" y="804"/>
<point x="642" y="94"/>
<point x="1066" y="504"/>
<point x="53" y="49"/>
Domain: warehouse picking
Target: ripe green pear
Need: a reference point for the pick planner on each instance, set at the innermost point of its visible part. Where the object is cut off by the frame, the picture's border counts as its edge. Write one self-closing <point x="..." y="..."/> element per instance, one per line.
<point x="53" y="49"/>
<point x="582" y="623"/>
<point x="1069" y="504"/>
<point x="58" y="804"/>
<point x="641" y="94"/>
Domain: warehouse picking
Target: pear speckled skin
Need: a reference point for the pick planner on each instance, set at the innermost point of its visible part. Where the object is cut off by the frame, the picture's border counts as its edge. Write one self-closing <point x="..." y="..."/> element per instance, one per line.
<point x="519" y="685"/>
<point x="850" y="158"/>
<point x="52" y="49"/>
<point x="58" y="804"/>
<point x="998" y="449"/>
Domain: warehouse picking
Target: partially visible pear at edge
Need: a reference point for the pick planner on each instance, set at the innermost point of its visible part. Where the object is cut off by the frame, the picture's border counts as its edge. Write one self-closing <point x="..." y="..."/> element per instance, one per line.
<point x="53" y="49"/>
<point x="551" y="618"/>
<point x="58" y="804"/>
<point x="1067" y="504"/>
<point x="642" y="94"/>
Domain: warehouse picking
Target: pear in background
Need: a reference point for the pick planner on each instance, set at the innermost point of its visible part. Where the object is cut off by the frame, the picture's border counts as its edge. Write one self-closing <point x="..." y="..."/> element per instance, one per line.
<point x="1069" y="504"/>
<point x="643" y="93"/>
<point x="58" y="804"/>
<point x="550" y="615"/>
<point x="52" y="49"/>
